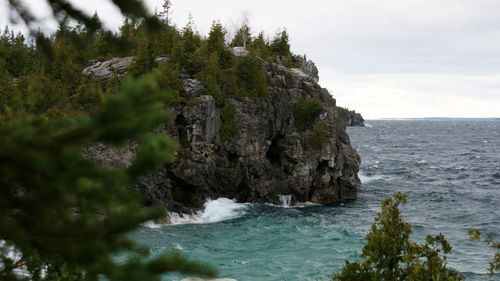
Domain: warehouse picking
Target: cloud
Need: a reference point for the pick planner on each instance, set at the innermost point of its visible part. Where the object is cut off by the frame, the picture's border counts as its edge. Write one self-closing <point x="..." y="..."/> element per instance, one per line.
<point x="386" y="58"/>
<point x="413" y="95"/>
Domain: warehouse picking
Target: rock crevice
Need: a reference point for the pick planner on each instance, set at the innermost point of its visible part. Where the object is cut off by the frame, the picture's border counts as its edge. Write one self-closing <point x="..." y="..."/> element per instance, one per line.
<point x="267" y="157"/>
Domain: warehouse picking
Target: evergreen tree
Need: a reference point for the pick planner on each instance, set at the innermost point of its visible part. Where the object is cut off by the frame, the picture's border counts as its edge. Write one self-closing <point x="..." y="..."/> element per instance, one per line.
<point x="63" y="216"/>
<point x="243" y="36"/>
<point x="216" y="45"/>
<point x="212" y="78"/>
<point x="251" y="77"/>
<point x="216" y="37"/>
<point x="167" y="10"/>
<point x="18" y="58"/>
<point x="260" y="47"/>
<point x="280" y="44"/>
<point x="390" y="255"/>
<point x="63" y="213"/>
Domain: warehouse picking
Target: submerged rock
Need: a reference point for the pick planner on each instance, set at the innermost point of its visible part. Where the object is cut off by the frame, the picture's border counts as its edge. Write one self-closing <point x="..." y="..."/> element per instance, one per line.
<point x="267" y="157"/>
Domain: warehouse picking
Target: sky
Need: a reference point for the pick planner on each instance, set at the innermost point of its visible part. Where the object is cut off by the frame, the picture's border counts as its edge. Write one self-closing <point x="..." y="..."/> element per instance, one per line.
<point x="384" y="58"/>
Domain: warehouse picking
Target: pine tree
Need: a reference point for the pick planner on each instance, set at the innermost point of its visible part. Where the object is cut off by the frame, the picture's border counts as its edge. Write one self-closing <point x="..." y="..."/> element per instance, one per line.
<point x="390" y="255"/>
<point x="64" y="213"/>
<point x="63" y="216"/>
<point x="167" y="10"/>
<point x="280" y="44"/>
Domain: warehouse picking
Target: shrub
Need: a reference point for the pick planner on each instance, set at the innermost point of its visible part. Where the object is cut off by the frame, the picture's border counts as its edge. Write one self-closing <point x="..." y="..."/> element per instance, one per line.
<point x="318" y="136"/>
<point x="305" y="113"/>
<point x="251" y="77"/>
<point x="494" y="266"/>
<point x="228" y="129"/>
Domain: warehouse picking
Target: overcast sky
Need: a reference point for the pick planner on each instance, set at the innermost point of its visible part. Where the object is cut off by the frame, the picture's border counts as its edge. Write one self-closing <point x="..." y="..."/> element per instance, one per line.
<point x="384" y="58"/>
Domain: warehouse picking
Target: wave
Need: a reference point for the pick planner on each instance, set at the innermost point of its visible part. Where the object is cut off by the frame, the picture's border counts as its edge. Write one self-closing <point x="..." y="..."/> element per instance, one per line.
<point x="368" y="178"/>
<point x="152" y="224"/>
<point x="217" y="210"/>
<point x="296" y="205"/>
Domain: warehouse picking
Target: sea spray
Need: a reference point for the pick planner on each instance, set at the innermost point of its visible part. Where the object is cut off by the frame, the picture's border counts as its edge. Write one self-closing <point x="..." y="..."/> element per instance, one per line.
<point x="217" y="210"/>
<point x="285" y="200"/>
<point x="274" y="243"/>
<point x="368" y="178"/>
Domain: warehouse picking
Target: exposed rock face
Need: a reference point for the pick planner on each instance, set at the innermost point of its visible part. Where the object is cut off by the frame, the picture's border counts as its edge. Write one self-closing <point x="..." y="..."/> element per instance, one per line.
<point x="106" y="69"/>
<point x="350" y="117"/>
<point x="356" y="120"/>
<point x="268" y="156"/>
<point x="309" y="68"/>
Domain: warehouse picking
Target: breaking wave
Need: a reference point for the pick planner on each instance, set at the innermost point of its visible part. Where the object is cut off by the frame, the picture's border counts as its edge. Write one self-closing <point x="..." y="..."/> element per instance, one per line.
<point x="217" y="210"/>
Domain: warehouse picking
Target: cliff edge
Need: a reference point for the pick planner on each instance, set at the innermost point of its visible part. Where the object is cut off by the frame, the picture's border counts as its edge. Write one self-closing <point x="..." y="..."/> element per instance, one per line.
<point x="289" y="142"/>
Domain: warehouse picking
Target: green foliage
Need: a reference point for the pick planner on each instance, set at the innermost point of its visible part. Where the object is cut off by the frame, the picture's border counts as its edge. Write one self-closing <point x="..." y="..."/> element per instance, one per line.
<point x="88" y="97"/>
<point x="390" y="255"/>
<point x="251" y="77"/>
<point x="305" y="113"/>
<point x="243" y="37"/>
<point x="280" y="44"/>
<point x="39" y="94"/>
<point x="260" y="48"/>
<point x="49" y="113"/>
<point x="213" y="78"/>
<point x="318" y="135"/>
<point x="494" y="266"/>
<point x="62" y="211"/>
<point x="188" y="51"/>
<point x="228" y="129"/>
<point x="169" y="77"/>
<point x="63" y="216"/>
<point x="18" y="57"/>
<point x="216" y="38"/>
<point x="344" y="113"/>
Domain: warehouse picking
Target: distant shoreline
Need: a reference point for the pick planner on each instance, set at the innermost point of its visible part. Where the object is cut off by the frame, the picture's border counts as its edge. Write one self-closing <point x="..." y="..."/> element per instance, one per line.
<point x="434" y="119"/>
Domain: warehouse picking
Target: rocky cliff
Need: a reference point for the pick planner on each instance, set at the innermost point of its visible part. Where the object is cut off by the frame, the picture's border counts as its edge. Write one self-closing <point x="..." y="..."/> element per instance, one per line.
<point x="350" y="117"/>
<point x="268" y="155"/>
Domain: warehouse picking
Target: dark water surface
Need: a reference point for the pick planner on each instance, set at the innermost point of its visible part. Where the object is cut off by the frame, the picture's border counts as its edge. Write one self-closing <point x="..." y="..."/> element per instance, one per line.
<point x="450" y="170"/>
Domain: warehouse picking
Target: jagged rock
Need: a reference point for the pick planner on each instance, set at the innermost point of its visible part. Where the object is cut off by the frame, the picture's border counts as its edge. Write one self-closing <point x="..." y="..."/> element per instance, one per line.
<point x="356" y="120"/>
<point x="239" y="51"/>
<point x="161" y="59"/>
<point x="268" y="156"/>
<point x="104" y="70"/>
<point x="192" y="88"/>
<point x="308" y="67"/>
<point x="350" y="117"/>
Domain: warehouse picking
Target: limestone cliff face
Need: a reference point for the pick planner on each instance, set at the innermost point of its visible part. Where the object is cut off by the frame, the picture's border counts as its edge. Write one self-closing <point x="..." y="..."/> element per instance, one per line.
<point x="267" y="157"/>
<point x="350" y="117"/>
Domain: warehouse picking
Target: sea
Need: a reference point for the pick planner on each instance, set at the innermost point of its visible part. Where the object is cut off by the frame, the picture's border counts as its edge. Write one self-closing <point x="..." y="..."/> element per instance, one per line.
<point x="448" y="168"/>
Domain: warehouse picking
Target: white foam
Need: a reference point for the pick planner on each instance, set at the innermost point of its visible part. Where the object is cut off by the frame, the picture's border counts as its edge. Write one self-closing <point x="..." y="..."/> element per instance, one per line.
<point x="286" y="200"/>
<point x="217" y="210"/>
<point x="368" y="125"/>
<point x="366" y="178"/>
<point x="151" y="224"/>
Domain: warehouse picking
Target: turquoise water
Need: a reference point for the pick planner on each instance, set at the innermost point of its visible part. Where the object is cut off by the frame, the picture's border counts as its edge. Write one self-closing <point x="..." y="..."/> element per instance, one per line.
<point x="450" y="170"/>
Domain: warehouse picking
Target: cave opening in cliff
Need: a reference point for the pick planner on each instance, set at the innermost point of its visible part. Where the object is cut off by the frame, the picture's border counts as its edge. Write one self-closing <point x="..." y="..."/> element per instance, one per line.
<point x="180" y="124"/>
<point x="185" y="193"/>
<point x="275" y="150"/>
